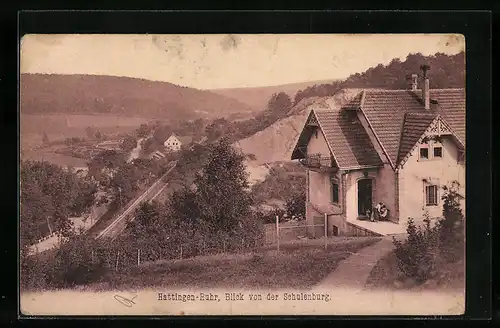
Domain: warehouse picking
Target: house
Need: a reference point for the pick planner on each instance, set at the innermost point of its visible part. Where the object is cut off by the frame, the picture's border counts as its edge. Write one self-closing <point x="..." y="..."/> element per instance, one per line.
<point x="392" y="146"/>
<point x="174" y="142"/>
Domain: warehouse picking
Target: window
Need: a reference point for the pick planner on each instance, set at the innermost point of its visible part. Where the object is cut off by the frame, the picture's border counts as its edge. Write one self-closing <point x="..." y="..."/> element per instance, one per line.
<point x="438" y="152"/>
<point x="424" y="153"/>
<point x="335" y="192"/>
<point x="431" y="196"/>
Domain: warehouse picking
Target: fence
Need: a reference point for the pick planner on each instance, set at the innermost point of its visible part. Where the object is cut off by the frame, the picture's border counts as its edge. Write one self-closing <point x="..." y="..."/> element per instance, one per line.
<point x="295" y="230"/>
<point x="119" y="257"/>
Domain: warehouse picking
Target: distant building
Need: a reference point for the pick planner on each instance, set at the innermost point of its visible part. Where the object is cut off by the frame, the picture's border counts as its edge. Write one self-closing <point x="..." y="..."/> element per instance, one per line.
<point x="174" y="143"/>
<point x="157" y="155"/>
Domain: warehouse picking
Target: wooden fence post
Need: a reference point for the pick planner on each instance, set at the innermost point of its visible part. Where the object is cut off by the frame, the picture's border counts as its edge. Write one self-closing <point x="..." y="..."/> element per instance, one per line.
<point x="138" y="256"/>
<point x="278" y="233"/>
<point x="326" y="231"/>
<point x="117" y="257"/>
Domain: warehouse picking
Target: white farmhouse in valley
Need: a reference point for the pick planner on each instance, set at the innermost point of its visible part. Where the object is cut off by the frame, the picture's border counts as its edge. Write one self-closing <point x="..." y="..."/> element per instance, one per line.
<point x="397" y="147"/>
<point x="174" y="142"/>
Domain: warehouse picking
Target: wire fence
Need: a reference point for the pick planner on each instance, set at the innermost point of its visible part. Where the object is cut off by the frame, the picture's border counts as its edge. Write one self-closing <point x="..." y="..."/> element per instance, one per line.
<point x="292" y="230"/>
<point x="119" y="257"/>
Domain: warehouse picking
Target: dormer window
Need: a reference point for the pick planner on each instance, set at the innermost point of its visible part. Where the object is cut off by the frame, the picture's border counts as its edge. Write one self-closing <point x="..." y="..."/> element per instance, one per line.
<point x="430" y="150"/>
<point x="438" y="152"/>
<point x="424" y="153"/>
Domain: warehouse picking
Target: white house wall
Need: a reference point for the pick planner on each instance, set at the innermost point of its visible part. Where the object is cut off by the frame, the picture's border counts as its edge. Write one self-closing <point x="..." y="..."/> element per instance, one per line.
<point x="411" y="183"/>
<point x="317" y="144"/>
<point x="173" y="143"/>
<point x="319" y="183"/>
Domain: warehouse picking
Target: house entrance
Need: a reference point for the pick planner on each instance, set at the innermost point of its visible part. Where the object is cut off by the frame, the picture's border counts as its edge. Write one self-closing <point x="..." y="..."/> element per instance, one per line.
<point x="364" y="196"/>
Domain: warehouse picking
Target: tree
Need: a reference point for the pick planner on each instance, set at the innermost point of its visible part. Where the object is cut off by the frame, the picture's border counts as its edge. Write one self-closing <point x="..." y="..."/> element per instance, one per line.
<point x="90" y="131"/>
<point x="98" y="135"/>
<point x="143" y="131"/>
<point x="128" y="143"/>
<point x="279" y="105"/>
<point x="105" y="160"/>
<point x="220" y="198"/>
<point x="45" y="138"/>
<point x="296" y="206"/>
<point x="161" y="134"/>
<point x="49" y="195"/>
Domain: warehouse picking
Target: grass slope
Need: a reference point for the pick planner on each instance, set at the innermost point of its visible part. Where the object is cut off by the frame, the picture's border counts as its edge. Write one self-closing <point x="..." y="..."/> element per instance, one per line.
<point x="297" y="265"/>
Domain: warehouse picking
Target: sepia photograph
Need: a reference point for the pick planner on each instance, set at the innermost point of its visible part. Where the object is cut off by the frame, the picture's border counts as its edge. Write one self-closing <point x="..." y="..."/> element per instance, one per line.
<point x="242" y="174"/>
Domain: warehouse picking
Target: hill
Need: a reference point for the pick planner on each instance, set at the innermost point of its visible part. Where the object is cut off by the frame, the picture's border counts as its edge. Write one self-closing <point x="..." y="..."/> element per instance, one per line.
<point x="276" y="142"/>
<point x="95" y="94"/>
<point x="257" y="97"/>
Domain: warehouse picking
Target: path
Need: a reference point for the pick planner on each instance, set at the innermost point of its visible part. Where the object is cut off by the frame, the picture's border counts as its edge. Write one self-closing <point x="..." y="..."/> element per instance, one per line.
<point x="353" y="272"/>
<point x="136" y="151"/>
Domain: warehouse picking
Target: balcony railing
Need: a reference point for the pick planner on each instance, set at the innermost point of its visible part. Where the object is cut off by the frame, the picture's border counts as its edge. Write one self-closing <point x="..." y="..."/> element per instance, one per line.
<point x="318" y="162"/>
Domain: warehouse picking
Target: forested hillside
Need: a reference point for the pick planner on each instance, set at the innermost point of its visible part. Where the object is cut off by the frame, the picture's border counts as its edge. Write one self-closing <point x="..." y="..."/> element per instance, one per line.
<point x="446" y="72"/>
<point x="92" y="94"/>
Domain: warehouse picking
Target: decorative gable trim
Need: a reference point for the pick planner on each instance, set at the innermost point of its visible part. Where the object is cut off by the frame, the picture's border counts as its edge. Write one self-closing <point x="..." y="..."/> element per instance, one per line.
<point x="313" y="121"/>
<point x="438" y="128"/>
<point x="433" y="130"/>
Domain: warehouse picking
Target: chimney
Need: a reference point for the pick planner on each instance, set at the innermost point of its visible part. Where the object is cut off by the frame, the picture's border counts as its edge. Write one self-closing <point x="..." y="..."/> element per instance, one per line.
<point x="414" y="82"/>
<point x="425" y="88"/>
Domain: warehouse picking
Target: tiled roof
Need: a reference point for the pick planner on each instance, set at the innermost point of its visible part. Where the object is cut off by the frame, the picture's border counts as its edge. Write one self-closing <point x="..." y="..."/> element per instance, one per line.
<point x="347" y="138"/>
<point x="185" y="140"/>
<point x="414" y="126"/>
<point x="451" y="107"/>
<point x="386" y="109"/>
<point x="397" y="117"/>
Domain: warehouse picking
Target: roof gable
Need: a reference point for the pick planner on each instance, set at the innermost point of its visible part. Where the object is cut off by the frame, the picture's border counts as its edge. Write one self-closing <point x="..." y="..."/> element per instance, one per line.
<point x="414" y="127"/>
<point x="346" y="138"/>
<point x="172" y="137"/>
<point x="387" y="114"/>
<point x="432" y="124"/>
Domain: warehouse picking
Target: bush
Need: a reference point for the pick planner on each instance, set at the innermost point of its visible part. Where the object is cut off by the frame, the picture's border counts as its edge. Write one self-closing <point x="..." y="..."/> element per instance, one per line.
<point x="296" y="206"/>
<point x="74" y="263"/>
<point x="417" y="256"/>
<point x="427" y="247"/>
<point x="451" y="227"/>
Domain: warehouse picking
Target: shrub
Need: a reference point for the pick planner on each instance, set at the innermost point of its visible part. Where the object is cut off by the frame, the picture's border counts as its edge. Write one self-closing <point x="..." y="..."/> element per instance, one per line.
<point x="296" y="206"/>
<point x="427" y="247"/>
<point x="417" y="257"/>
<point x="451" y="226"/>
<point x="73" y="263"/>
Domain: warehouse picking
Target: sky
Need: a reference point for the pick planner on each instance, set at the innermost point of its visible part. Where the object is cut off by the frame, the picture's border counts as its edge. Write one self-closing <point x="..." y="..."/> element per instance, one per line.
<point x="225" y="61"/>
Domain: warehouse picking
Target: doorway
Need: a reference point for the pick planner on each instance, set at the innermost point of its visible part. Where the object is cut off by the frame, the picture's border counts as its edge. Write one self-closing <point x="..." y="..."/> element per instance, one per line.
<point x="364" y="196"/>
